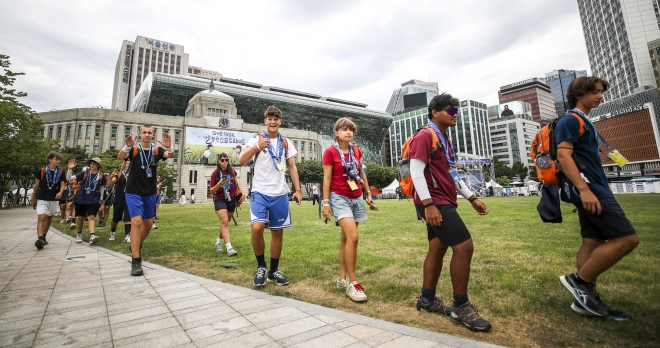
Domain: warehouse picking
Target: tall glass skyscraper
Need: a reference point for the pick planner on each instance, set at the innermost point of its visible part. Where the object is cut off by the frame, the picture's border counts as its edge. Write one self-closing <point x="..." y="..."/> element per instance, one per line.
<point x="616" y="33"/>
<point x="559" y="80"/>
<point x="410" y="87"/>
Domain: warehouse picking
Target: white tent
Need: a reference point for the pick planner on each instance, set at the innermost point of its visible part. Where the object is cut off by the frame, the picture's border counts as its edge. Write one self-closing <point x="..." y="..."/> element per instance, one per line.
<point x="493" y="183"/>
<point x="392" y="187"/>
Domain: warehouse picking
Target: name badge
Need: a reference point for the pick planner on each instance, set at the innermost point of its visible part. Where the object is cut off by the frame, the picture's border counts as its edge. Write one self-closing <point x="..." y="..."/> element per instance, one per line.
<point x="280" y="167"/>
<point x="617" y="158"/>
<point x="454" y="175"/>
<point x="88" y="191"/>
<point x="352" y="184"/>
<point x="149" y="175"/>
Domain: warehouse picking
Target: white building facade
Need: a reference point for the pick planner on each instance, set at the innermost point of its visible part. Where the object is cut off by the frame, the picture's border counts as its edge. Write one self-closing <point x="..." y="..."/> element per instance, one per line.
<point x="471" y="134"/>
<point x="511" y="139"/>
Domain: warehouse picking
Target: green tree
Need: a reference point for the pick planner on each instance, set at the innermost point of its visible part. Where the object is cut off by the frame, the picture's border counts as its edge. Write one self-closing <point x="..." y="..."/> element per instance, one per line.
<point x="380" y="176"/>
<point x="501" y="169"/>
<point x="310" y="172"/>
<point x="519" y="168"/>
<point x="77" y="153"/>
<point x="109" y="160"/>
<point x="166" y="173"/>
<point x="503" y="180"/>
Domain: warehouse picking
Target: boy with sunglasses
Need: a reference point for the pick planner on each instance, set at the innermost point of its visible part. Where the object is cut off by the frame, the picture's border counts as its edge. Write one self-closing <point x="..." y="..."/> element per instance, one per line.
<point x="436" y="182"/>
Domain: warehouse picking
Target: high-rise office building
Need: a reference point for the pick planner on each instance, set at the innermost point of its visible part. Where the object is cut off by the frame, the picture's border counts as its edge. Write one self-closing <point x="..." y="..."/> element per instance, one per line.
<point x="616" y="33"/>
<point x="396" y="103"/>
<point x="558" y="81"/>
<point x="137" y="59"/>
<point x="511" y="133"/>
<point x="471" y="134"/>
<point x="533" y="91"/>
<point x="654" y="53"/>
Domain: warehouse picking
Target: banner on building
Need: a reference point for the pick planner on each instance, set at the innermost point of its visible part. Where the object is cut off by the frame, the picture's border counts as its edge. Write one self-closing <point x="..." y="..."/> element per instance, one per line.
<point x="203" y="145"/>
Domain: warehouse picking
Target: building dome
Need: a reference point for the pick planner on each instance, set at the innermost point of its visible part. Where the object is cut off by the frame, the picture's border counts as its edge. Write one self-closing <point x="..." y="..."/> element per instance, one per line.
<point x="207" y="93"/>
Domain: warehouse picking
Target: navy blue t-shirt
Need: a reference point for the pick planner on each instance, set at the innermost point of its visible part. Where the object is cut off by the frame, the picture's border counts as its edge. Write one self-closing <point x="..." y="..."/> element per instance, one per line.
<point x="44" y="193"/>
<point x="586" y="149"/>
<point x="94" y="182"/>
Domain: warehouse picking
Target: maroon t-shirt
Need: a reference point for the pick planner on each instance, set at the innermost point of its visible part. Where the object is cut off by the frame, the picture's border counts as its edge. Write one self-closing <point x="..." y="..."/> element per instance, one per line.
<point x="420" y="148"/>
<point x="220" y="194"/>
<point x="339" y="180"/>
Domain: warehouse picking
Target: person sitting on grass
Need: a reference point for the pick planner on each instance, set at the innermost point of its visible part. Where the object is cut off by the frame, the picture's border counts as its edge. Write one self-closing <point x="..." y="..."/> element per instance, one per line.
<point x="343" y="182"/>
<point x="436" y="182"/>
<point x="89" y="196"/>
<point x="223" y="188"/>
<point x="46" y="193"/>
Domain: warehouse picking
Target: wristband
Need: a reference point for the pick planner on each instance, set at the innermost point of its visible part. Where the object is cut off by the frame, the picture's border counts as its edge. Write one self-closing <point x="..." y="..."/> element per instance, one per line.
<point x="428" y="205"/>
<point x="326" y="200"/>
<point x="472" y="200"/>
<point x="127" y="149"/>
<point x="326" y="205"/>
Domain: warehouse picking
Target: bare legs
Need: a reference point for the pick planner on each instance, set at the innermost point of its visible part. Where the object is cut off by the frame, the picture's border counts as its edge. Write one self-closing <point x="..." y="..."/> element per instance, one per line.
<point x="348" y="249"/>
<point x="225" y="217"/>
<point x="43" y="224"/>
<point x="259" y="245"/>
<point x="459" y="268"/>
<point x="139" y="232"/>
<point x="596" y="255"/>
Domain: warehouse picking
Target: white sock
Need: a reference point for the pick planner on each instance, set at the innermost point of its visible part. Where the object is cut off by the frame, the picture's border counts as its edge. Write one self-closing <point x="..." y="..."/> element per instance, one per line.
<point x="219" y="241"/>
<point x="228" y="245"/>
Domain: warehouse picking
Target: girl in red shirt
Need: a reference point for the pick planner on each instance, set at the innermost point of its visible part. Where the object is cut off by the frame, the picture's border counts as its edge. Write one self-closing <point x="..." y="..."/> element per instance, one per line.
<point x="223" y="188"/>
<point x="343" y="183"/>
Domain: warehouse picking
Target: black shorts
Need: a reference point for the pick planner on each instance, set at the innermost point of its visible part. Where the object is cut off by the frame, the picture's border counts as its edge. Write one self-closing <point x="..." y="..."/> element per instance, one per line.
<point x="120" y="212"/>
<point x="452" y="231"/>
<point x="87" y="209"/>
<point x="229" y="205"/>
<point x="62" y="201"/>
<point x="610" y="224"/>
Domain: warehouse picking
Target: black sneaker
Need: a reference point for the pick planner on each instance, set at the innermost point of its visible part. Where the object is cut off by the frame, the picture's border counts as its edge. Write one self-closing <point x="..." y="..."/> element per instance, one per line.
<point x="136" y="267"/>
<point x="470" y="318"/>
<point x="585" y="295"/>
<point x="612" y="313"/>
<point x="435" y="306"/>
<point x="45" y="241"/>
<point x="39" y="244"/>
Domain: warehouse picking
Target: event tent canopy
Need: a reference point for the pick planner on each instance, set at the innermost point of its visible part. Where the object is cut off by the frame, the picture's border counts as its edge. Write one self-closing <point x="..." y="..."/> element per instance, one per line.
<point x="392" y="187"/>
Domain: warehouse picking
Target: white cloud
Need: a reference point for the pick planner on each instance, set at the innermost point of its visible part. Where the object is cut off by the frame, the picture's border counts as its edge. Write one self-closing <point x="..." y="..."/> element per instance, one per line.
<point x="355" y="50"/>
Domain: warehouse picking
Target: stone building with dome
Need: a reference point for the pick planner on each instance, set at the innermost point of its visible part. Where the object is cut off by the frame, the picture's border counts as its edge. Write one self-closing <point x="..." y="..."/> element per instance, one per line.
<point x="208" y="111"/>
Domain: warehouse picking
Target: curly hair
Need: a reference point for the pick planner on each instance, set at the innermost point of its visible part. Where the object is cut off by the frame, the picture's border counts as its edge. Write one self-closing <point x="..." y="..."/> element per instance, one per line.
<point x="273" y="111"/>
<point x="439" y="102"/>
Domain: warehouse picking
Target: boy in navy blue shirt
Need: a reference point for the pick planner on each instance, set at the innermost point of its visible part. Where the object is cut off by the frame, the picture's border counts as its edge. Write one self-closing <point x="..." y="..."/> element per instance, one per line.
<point x="48" y="189"/>
<point x="607" y="235"/>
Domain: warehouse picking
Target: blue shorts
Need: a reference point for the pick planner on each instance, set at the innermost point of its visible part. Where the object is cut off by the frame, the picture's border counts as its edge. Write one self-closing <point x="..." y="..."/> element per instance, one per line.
<point x="344" y="207"/>
<point x="274" y="211"/>
<point x="144" y="206"/>
<point x="158" y="199"/>
<point x="230" y="206"/>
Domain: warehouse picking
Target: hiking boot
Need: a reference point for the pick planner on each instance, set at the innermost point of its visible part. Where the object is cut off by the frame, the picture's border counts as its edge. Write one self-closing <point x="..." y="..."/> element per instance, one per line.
<point x="218" y="246"/>
<point x="355" y="292"/>
<point x="585" y="294"/>
<point x="136" y="267"/>
<point x="127" y="238"/>
<point x="470" y="318"/>
<point x="277" y="278"/>
<point x="260" y="277"/>
<point x="39" y="244"/>
<point x="93" y="239"/>
<point x="435" y="306"/>
<point x="79" y="237"/>
<point x="112" y="236"/>
<point x="341" y="283"/>
<point x="231" y="252"/>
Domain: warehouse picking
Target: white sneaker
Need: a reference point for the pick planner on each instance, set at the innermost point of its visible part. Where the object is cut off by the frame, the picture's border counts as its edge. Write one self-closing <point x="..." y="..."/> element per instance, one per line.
<point x="73" y="226"/>
<point x="153" y="227"/>
<point x="127" y="239"/>
<point x="93" y="239"/>
<point x="79" y="238"/>
<point x="112" y="236"/>
<point x="231" y="252"/>
<point x="355" y="292"/>
<point x="62" y="221"/>
<point x="341" y="283"/>
<point x="218" y="246"/>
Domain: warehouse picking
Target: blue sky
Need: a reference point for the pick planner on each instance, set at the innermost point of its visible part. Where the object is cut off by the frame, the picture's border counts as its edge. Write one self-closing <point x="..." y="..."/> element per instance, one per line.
<point x="354" y="50"/>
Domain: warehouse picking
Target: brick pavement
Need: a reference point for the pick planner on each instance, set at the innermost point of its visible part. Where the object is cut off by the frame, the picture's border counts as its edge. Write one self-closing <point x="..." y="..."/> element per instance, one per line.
<point x="75" y="295"/>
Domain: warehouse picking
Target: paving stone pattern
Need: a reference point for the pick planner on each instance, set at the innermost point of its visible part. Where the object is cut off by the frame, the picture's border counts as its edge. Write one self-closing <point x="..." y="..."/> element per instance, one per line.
<point x="75" y="295"/>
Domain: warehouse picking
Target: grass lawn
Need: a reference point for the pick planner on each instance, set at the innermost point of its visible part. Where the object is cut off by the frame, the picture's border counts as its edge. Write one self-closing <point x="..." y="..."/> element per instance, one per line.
<point x="515" y="268"/>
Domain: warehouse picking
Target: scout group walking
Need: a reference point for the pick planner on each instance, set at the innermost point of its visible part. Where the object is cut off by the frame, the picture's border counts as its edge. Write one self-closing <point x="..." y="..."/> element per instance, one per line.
<point x="607" y="235"/>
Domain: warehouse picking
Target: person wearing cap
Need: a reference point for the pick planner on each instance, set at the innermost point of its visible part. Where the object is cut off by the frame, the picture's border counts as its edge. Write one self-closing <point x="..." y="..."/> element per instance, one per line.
<point x="89" y="196"/>
<point x="141" y="186"/>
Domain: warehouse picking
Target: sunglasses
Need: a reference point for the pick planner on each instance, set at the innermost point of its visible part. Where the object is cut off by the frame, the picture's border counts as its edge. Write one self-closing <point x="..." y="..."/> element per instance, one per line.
<point x="452" y="111"/>
<point x="224" y="160"/>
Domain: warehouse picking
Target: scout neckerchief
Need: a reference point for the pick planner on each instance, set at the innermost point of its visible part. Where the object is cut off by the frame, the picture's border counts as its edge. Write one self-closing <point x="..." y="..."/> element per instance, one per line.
<point x="147" y="160"/>
<point x="448" y="148"/>
<point x="350" y="166"/>
<point x="88" y="183"/>
<point x="52" y="180"/>
<point x="226" y="187"/>
<point x="280" y="150"/>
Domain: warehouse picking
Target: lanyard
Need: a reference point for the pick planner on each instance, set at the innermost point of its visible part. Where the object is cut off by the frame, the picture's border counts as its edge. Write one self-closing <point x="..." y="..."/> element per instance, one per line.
<point x="280" y="150"/>
<point x="146" y="160"/>
<point x="352" y="162"/>
<point x="69" y="190"/>
<point x="447" y="147"/>
<point x="53" y="179"/>
<point x="598" y="136"/>
<point x="89" y="181"/>
<point x="226" y="186"/>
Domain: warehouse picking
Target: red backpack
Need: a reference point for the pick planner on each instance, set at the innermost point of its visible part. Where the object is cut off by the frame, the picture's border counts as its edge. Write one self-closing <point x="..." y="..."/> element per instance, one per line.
<point x="405" y="179"/>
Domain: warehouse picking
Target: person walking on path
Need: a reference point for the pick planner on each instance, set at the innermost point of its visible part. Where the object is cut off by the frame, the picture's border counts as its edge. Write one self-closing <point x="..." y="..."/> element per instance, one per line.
<point x="436" y="182"/>
<point x="182" y="198"/>
<point x="48" y="188"/>
<point x="119" y="208"/>
<point x="223" y="188"/>
<point x="269" y="201"/>
<point x="343" y="183"/>
<point x="315" y="194"/>
<point x="607" y="235"/>
<point x="141" y="186"/>
<point x="64" y="204"/>
<point x="88" y="198"/>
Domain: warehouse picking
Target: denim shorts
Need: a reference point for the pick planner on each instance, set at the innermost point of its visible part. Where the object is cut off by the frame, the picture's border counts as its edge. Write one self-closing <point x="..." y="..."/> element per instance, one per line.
<point x="344" y="207"/>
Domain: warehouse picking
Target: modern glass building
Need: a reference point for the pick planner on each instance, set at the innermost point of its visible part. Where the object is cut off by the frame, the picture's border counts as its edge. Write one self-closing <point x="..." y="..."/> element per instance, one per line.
<point x="616" y="33"/>
<point x="410" y="87"/>
<point x="559" y="80"/>
<point x="169" y="95"/>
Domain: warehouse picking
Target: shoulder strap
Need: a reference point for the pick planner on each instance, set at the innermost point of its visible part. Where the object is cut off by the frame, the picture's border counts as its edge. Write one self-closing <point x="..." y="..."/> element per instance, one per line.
<point x="357" y="151"/>
<point x="43" y="172"/>
<point x="435" y="143"/>
<point x="156" y="150"/>
<point x="582" y="128"/>
<point x="135" y="150"/>
<point x="286" y="143"/>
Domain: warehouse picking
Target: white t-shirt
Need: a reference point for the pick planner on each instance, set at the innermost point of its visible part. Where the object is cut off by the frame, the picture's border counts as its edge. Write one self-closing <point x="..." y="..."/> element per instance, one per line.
<point x="267" y="179"/>
<point x="315" y="190"/>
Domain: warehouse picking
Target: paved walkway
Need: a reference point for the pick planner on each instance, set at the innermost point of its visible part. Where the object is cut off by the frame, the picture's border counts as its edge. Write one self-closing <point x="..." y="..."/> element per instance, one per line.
<point x="75" y="295"/>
